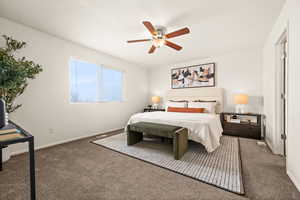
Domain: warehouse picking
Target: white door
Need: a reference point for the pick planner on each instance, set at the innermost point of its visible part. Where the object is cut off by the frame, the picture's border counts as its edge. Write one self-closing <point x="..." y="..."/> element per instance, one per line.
<point x="283" y="115"/>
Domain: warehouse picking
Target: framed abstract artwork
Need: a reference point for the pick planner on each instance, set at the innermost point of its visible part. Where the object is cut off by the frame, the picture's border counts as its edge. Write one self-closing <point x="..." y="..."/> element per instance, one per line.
<point x="202" y="75"/>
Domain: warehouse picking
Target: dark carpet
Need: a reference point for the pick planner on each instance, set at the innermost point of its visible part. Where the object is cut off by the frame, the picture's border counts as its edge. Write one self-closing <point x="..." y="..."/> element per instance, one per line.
<point x="81" y="170"/>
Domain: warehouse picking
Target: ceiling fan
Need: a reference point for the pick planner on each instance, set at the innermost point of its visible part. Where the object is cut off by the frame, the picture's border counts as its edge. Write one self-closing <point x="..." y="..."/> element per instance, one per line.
<point x="159" y="37"/>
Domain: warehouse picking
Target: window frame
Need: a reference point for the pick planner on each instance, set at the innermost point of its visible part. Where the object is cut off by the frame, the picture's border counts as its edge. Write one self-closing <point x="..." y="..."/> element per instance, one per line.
<point x="123" y="99"/>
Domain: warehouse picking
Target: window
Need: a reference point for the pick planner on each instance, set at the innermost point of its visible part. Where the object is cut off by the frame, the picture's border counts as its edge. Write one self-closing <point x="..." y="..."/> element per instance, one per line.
<point x="93" y="83"/>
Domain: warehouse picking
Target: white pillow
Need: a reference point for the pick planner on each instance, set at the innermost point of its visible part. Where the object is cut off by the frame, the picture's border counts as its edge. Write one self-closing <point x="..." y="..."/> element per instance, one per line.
<point x="210" y="107"/>
<point x="176" y="104"/>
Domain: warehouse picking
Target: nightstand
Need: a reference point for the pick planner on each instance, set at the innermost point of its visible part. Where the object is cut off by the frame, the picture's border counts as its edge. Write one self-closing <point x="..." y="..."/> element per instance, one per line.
<point x="153" y="109"/>
<point x="248" y="125"/>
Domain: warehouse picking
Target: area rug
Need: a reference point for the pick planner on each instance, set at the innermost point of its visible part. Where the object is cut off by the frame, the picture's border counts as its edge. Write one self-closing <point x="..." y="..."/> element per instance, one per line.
<point x="221" y="168"/>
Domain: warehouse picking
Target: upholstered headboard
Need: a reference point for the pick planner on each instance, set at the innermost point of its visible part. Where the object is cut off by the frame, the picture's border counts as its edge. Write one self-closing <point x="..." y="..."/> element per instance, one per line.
<point x="191" y="94"/>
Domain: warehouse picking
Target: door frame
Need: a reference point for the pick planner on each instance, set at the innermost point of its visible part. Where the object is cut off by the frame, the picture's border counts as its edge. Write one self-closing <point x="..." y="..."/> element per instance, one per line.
<point x="279" y="81"/>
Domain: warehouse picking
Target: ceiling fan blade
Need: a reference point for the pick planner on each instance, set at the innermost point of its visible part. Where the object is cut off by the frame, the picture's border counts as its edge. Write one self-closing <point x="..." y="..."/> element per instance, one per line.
<point x="173" y="45"/>
<point x="143" y="40"/>
<point x="178" y="33"/>
<point x="150" y="27"/>
<point x="152" y="49"/>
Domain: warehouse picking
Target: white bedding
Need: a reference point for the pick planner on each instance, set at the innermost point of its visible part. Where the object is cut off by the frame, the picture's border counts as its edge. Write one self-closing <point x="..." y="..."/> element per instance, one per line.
<point x="203" y="127"/>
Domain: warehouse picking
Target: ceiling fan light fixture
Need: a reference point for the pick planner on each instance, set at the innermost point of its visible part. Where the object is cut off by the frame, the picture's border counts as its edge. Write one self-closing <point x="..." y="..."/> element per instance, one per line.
<point x="158" y="42"/>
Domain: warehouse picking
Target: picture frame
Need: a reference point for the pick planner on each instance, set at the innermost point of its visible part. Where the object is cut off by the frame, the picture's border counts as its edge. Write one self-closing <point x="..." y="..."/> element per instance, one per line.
<point x="202" y="75"/>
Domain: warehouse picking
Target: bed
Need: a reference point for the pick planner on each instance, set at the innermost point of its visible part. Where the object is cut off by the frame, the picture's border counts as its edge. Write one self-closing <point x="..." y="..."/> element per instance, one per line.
<point x="204" y="128"/>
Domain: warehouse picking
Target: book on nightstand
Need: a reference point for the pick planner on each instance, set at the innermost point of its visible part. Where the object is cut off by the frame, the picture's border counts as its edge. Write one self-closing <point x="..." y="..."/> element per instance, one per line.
<point x="8" y="129"/>
<point x="235" y="121"/>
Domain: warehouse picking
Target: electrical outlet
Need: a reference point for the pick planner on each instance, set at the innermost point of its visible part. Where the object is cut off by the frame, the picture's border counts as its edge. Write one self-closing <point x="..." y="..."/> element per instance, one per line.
<point x="51" y="131"/>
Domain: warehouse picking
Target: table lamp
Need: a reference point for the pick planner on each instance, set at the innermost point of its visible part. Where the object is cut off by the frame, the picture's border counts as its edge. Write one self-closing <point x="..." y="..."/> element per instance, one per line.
<point x="155" y="100"/>
<point x="240" y="100"/>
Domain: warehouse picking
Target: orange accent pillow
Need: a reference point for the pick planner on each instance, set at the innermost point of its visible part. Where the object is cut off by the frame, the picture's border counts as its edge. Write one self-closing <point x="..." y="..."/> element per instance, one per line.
<point x="186" y="110"/>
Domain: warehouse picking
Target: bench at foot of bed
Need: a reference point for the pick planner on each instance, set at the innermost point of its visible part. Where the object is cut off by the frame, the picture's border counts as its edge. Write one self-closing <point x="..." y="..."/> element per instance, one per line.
<point x="178" y="134"/>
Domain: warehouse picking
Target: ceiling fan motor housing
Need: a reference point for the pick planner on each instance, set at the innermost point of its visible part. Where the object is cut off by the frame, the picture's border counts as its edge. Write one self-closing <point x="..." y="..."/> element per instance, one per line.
<point x="160" y="31"/>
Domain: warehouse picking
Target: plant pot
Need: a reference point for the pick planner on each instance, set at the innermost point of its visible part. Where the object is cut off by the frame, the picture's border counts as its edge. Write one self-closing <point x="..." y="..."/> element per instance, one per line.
<point x="5" y="154"/>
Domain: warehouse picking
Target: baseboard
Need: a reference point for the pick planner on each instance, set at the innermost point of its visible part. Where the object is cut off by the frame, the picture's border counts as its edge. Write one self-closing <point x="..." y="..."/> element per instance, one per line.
<point x="63" y="141"/>
<point x="270" y="146"/>
<point x="292" y="177"/>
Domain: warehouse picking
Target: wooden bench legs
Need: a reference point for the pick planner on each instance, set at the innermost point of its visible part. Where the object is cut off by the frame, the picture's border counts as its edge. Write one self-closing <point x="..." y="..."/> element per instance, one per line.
<point x="180" y="143"/>
<point x="134" y="137"/>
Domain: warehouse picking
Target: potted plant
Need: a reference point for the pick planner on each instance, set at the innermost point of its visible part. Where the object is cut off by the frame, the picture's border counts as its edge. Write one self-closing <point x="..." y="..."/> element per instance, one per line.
<point x="14" y="74"/>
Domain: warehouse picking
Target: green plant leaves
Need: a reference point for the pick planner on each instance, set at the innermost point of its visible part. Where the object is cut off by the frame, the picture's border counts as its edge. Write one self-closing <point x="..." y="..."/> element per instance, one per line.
<point x="14" y="72"/>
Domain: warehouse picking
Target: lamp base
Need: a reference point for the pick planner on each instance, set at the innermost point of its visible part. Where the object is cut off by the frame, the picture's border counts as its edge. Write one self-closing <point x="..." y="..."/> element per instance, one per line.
<point x="155" y="106"/>
<point x="240" y="108"/>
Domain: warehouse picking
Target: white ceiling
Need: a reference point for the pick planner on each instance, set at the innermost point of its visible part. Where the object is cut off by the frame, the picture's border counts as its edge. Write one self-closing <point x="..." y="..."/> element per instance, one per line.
<point x="217" y="26"/>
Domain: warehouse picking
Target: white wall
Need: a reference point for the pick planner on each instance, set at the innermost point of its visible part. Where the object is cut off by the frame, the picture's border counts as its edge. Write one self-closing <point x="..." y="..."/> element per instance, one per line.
<point x="293" y="137"/>
<point x="46" y="100"/>
<point x="270" y="82"/>
<point x="235" y="72"/>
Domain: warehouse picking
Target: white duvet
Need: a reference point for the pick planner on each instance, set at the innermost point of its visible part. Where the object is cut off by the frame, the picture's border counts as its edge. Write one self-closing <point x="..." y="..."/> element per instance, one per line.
<point x="203" y="127"/>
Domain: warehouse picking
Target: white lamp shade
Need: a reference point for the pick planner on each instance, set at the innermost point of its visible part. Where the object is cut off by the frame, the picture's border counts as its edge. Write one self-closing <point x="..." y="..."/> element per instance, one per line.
<point x="241" y="99"/>
<point x="155" y="99"/>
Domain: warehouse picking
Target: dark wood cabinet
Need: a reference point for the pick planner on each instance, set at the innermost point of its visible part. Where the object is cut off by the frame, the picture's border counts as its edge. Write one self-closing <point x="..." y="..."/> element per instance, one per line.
<point x="242" y="125"/>
<point x="153" y="109"/>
